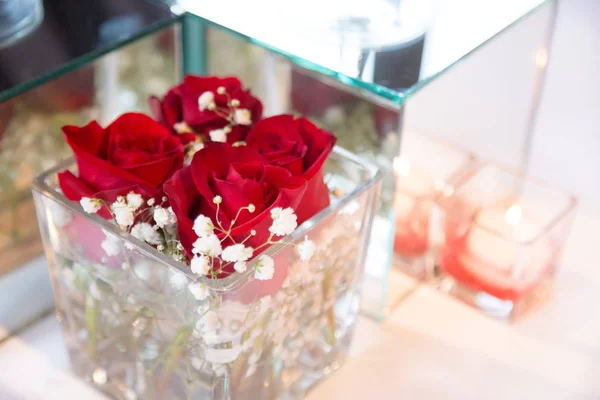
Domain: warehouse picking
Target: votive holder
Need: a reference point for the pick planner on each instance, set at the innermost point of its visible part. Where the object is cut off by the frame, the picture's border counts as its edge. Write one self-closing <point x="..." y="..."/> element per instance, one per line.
<point x="504" y="235"/>
<point x="427" y="168"/>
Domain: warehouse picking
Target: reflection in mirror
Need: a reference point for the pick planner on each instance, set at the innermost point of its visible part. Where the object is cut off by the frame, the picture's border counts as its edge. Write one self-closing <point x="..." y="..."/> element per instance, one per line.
<point x="30" y="126"/>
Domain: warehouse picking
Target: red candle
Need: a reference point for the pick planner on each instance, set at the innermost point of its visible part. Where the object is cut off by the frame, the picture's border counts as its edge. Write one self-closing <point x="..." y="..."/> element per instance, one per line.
<point x="498" y="252"/>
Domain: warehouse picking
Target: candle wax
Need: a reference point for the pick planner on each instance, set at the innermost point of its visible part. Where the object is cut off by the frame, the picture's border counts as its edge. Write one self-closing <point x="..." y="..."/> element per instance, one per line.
<point x="497" y="257"/>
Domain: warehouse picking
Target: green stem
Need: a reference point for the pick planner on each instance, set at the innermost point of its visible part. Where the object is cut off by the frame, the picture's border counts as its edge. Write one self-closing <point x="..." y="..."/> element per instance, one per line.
<point x="91" y="323"/>
<point x="173" y="354"/>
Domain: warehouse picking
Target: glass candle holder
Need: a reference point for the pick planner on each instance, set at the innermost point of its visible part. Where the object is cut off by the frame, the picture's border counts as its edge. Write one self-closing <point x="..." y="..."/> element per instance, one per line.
<point x="427" y="169"/>
<point x="504" y="235"/>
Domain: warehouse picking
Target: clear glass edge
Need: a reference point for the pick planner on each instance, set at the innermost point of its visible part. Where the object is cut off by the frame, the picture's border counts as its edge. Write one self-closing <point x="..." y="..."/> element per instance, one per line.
<point x="378" y="90"/>
<point x="40" y="186"/>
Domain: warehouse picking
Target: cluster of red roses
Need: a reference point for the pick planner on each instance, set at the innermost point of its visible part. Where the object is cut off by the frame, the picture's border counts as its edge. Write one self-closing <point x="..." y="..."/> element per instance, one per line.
<point x="208" y="140"/>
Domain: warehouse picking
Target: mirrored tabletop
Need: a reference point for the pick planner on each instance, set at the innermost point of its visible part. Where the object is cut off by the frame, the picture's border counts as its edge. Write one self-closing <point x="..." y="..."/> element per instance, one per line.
<point x="389" y="47"/>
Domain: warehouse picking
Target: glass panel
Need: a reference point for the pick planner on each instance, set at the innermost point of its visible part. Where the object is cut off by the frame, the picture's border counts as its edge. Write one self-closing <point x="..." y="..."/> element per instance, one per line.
<point x="30" y="126"/>
<point x="388" y="47"/>
<point x="71" y="34"/>
<point x="357" y="109"/>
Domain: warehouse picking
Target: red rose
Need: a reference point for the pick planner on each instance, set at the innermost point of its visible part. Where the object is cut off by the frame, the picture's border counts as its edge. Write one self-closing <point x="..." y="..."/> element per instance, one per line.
<point x="240" y="177"/>
<point x="133" y="152"/>
<point x="182" y="110"/>
<point x="301" y="147"/>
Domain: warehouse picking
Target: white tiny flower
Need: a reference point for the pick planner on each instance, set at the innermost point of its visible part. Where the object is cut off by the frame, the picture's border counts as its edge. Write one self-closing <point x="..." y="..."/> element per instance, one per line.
<point x="123" y="214"/>
<point x="265" y="268"/>
<point x="240" y="266"/>
<point x="243" y="116"/>
<point x="182" y="127"/>
<point x="306" y="249"/>
<point x="203" y="226"/>
<point x="209" y="245"/>
<point x="90" y="205"/>
<point x="151" y="202"/>
<point x="200" y="265"/>
<point x="218" y="135"/>
<point x="111" y="246"/>
<point x="134" y="200"/>
<point x="144" y="231"/>
<point x="198" y="290"/>
<point x="221" y="90"/>
<point x="205" y="100"/>
<point x="178" y="280"/>
<point x="251" y="207"/>
<point x="142" y="270"/>
<point x="217" y="199"/>
<point x="164" y="216"/>
<point x="284" y="221"/>
<point x="235" y="103"/>
<point x="237" y="252"/>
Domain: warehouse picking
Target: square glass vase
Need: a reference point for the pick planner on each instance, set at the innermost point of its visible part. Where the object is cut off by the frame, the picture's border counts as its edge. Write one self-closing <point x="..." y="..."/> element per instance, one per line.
<point x="504" y="233"/>
<point x="139" y="325"/>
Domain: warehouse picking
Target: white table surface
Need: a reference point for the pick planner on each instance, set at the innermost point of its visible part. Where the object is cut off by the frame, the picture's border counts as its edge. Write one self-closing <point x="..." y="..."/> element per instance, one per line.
<point x="430" y="347"/>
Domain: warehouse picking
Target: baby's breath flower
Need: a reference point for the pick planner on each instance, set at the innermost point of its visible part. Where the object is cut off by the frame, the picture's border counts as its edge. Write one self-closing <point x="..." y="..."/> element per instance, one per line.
<point x="218" y="135"/>
<point x="217" y="199"/>
<point x="284" y="221"/>
<point x="205" y="100"/>
<point x="200" y="265"/>
<point x="235" y="103"/>
<point x="203" y="226"/>
<point x="251" y="208"/>
<point x="111" y="245"/>
<point x="150" y="202"/>
<point x="198" y="290"/>
<point x="90" y="205"/>
<point x="221" y="90"/>
<point x="236" y="252"/>
<point x="182" y="127"/>
<point x="164" y="216"/>
<point x="243" y="116"/>
<point x="209" y="245"/>
<point x="144" y="231"/>
<point x="123" y="214"/>
<point x="240" y="266"/>
<point x="264" y="268"/>
<point x="134" y="200"/>
<point x="306" y="249"/>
